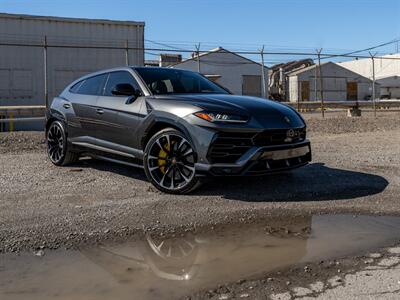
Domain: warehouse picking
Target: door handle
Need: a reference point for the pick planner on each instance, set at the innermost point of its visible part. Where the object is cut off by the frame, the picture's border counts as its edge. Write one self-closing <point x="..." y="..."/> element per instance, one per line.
<point x="100" y="111"/>
<point x="67" y="105"/>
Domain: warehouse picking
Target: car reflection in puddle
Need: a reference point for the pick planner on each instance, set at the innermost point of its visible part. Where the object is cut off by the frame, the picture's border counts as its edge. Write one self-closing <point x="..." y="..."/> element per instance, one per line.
<point x="159" y="268"/>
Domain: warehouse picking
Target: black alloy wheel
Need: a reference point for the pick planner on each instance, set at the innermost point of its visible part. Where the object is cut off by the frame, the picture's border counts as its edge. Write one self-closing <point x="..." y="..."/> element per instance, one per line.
<point x="169" y="162"/>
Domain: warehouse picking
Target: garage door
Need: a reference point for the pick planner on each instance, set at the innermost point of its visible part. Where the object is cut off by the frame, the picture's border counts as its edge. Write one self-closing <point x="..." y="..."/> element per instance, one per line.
<point x="251" y="85"/>
<point x="352" y="90"/>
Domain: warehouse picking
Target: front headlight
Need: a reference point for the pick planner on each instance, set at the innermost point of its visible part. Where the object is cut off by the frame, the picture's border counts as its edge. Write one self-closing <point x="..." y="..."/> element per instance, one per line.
<point x="221" y="117"/>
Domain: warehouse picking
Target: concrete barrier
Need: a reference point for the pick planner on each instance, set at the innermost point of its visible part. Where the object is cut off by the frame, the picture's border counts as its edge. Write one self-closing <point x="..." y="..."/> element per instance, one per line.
<point x="12" y="115"/>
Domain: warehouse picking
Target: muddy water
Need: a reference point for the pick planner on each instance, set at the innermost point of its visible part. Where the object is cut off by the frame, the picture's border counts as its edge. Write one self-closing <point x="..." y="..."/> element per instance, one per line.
<point x="157" y="268"/>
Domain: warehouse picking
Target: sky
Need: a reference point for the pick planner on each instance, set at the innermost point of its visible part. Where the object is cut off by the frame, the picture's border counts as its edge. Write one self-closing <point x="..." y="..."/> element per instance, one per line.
<point x="281" y="25"/>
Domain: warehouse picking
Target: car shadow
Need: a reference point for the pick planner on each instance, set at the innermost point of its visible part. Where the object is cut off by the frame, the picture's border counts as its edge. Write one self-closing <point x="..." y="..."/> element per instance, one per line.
<point x="314" y="182"/>
<point x="105" y="166"/>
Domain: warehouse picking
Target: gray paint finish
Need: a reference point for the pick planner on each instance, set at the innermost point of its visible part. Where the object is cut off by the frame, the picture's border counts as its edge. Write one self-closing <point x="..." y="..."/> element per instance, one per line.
<point x="162" y="128"/>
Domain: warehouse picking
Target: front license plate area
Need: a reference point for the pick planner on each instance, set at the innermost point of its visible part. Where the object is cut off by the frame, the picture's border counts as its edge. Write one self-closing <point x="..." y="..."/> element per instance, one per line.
<point x="286" y="153"/>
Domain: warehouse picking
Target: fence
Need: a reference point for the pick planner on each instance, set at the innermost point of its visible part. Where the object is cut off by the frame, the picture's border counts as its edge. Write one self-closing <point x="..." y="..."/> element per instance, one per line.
<point x="121" y="53"/>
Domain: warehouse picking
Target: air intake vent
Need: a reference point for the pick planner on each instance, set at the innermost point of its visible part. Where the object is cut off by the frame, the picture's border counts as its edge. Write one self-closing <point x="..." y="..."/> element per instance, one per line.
<point x="228" y="147"/>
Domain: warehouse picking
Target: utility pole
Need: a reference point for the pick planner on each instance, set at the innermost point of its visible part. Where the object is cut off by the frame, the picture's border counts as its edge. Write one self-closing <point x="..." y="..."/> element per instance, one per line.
<point x="264" y="88"/>
<point x="126" y="53"/>
<point x="198" y="56"/>
<point x="46" y="89"/>
<point x="315" y="84"/>
<point x="321" y="91"/>
<point x="373" y="81"/>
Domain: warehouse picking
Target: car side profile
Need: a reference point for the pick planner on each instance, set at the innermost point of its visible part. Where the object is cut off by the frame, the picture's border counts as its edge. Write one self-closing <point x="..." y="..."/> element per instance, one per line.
<point x="176" y="124"/>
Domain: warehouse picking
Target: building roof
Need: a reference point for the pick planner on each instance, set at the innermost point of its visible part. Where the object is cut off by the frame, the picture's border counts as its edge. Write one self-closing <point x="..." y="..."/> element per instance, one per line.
<point x="70" y="20"/>
<point x="217" y="50"/>
<point x="297" y="72"/>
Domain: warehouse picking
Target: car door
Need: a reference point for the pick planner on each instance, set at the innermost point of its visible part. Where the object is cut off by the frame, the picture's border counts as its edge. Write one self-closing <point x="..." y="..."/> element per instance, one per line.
<point x="83" y="97"/>
<point x="119" y="119"/>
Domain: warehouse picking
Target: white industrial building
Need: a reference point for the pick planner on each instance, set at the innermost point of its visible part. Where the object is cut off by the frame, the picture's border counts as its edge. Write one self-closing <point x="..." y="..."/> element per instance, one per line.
<point x="338" y="84"/>
<point x="238" y="74"/>
<point x="22" y="67"/>
<point x="387" y="73"/>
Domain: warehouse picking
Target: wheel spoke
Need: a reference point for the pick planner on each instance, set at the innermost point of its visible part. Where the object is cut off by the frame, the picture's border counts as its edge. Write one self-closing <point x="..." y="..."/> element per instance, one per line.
<point x="162" y="146"/>
<point x="164" y="176"/>
<point x="181" y="144"/>
<point x="183" y="175"/>
<point x="187" y="152"/>
<point x="154" y="168"/>
<point x="168" y="142"/>
<point x="172" y="178"/>
<point x="187" y="167"/>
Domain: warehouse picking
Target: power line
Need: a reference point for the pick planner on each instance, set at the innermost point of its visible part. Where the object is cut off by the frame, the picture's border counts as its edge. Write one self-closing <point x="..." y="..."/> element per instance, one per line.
<point x="293" y="54"/>
<point x="164" y="45"/>
<point x="368" y="49"/>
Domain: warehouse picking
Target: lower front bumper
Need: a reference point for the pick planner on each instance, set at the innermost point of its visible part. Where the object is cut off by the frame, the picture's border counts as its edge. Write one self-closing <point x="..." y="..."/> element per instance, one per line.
<point x="262" y="160"/>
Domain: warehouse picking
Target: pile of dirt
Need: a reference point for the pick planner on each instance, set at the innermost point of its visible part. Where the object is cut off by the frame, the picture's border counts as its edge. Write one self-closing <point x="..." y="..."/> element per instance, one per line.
<point x="22" y="141"/>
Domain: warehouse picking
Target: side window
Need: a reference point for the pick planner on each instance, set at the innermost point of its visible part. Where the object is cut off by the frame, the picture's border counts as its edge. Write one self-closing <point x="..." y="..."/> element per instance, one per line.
<point x="93" y="85"/>
<point x="117" y="78"/>
<point x="75" y="87"/>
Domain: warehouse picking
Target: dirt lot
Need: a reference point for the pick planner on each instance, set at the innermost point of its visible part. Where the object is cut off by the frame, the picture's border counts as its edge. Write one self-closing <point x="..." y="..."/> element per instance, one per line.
<point x="355" y="169"/>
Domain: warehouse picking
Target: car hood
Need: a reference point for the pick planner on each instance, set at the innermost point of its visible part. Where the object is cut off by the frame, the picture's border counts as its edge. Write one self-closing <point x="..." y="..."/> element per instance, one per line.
<point x="266" y="113"/>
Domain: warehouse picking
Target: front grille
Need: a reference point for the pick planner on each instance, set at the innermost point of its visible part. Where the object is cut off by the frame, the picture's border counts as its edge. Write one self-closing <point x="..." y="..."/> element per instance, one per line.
<point x="279" y="137"/>
<point x="228" y="147"/>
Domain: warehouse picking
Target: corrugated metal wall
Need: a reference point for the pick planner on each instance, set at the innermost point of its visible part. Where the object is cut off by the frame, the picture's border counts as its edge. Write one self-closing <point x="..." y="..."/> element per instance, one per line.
<point x="22" y="70"/>
<point x="335" y="81"/>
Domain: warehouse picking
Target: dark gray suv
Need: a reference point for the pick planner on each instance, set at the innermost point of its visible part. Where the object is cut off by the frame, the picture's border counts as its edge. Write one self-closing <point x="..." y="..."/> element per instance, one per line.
<point x="176" y="124"/>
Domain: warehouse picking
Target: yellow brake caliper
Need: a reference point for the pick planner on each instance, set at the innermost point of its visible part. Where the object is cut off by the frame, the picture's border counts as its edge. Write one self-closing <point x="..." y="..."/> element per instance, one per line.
<point x="162" y="155"/>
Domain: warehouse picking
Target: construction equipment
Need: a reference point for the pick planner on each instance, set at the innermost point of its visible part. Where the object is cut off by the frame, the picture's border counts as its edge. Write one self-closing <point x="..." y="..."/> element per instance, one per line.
<point x="277" y="77"/>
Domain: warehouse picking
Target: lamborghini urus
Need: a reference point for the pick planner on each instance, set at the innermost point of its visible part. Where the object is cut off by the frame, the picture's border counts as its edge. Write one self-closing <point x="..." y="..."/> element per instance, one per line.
<point x="176" y="124"/>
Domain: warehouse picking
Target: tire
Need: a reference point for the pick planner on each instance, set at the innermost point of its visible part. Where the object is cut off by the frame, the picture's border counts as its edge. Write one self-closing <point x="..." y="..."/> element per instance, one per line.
<point x="169" y="159"/>
<point x="57" y="145"/>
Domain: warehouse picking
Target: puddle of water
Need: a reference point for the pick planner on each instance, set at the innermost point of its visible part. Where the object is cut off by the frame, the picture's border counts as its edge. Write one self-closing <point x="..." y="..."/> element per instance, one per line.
<point x="171" y="268"/>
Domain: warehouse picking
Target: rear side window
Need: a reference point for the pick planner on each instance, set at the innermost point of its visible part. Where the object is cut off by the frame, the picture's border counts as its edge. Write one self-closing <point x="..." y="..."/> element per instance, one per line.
<point x="118" y="78"/>
<point x="75" y="87"/>
<point x="93" y="85"/>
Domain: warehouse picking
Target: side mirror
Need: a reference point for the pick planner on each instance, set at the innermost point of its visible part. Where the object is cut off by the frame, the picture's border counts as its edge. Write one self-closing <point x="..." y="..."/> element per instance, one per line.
<point x="132" y="98"/>
<point x="123" y="89"/>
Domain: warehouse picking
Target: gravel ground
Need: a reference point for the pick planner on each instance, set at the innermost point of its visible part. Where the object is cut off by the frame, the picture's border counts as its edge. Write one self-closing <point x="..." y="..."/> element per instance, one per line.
<point x="41" y="204"/>
<point x="373" y="275"/>
<point x="356" y="169"/>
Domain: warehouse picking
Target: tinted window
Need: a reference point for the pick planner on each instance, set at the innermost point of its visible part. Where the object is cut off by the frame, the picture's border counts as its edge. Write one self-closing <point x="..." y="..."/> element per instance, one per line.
<point x="75" y="87"/>
<point x="172" y="81"/>
<point x="118" y="78"/>
<point x="93" y="85"/>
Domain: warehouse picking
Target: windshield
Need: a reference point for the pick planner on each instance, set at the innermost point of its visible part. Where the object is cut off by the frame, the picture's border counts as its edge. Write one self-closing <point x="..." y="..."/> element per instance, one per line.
<point x="173" y="81"/>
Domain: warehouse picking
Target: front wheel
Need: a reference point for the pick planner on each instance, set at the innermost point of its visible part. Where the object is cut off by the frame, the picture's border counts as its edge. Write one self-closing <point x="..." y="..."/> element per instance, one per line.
<point x="169" y="162"/>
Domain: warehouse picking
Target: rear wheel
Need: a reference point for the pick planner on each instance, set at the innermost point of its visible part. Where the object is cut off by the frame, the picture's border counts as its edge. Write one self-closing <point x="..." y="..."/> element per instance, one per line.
<point x="57" y="147"/>
<point x="169" y="162"/>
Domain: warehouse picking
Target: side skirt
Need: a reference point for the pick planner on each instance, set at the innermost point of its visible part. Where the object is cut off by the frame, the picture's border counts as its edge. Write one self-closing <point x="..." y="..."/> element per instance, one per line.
<point x="113" y="160"/>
